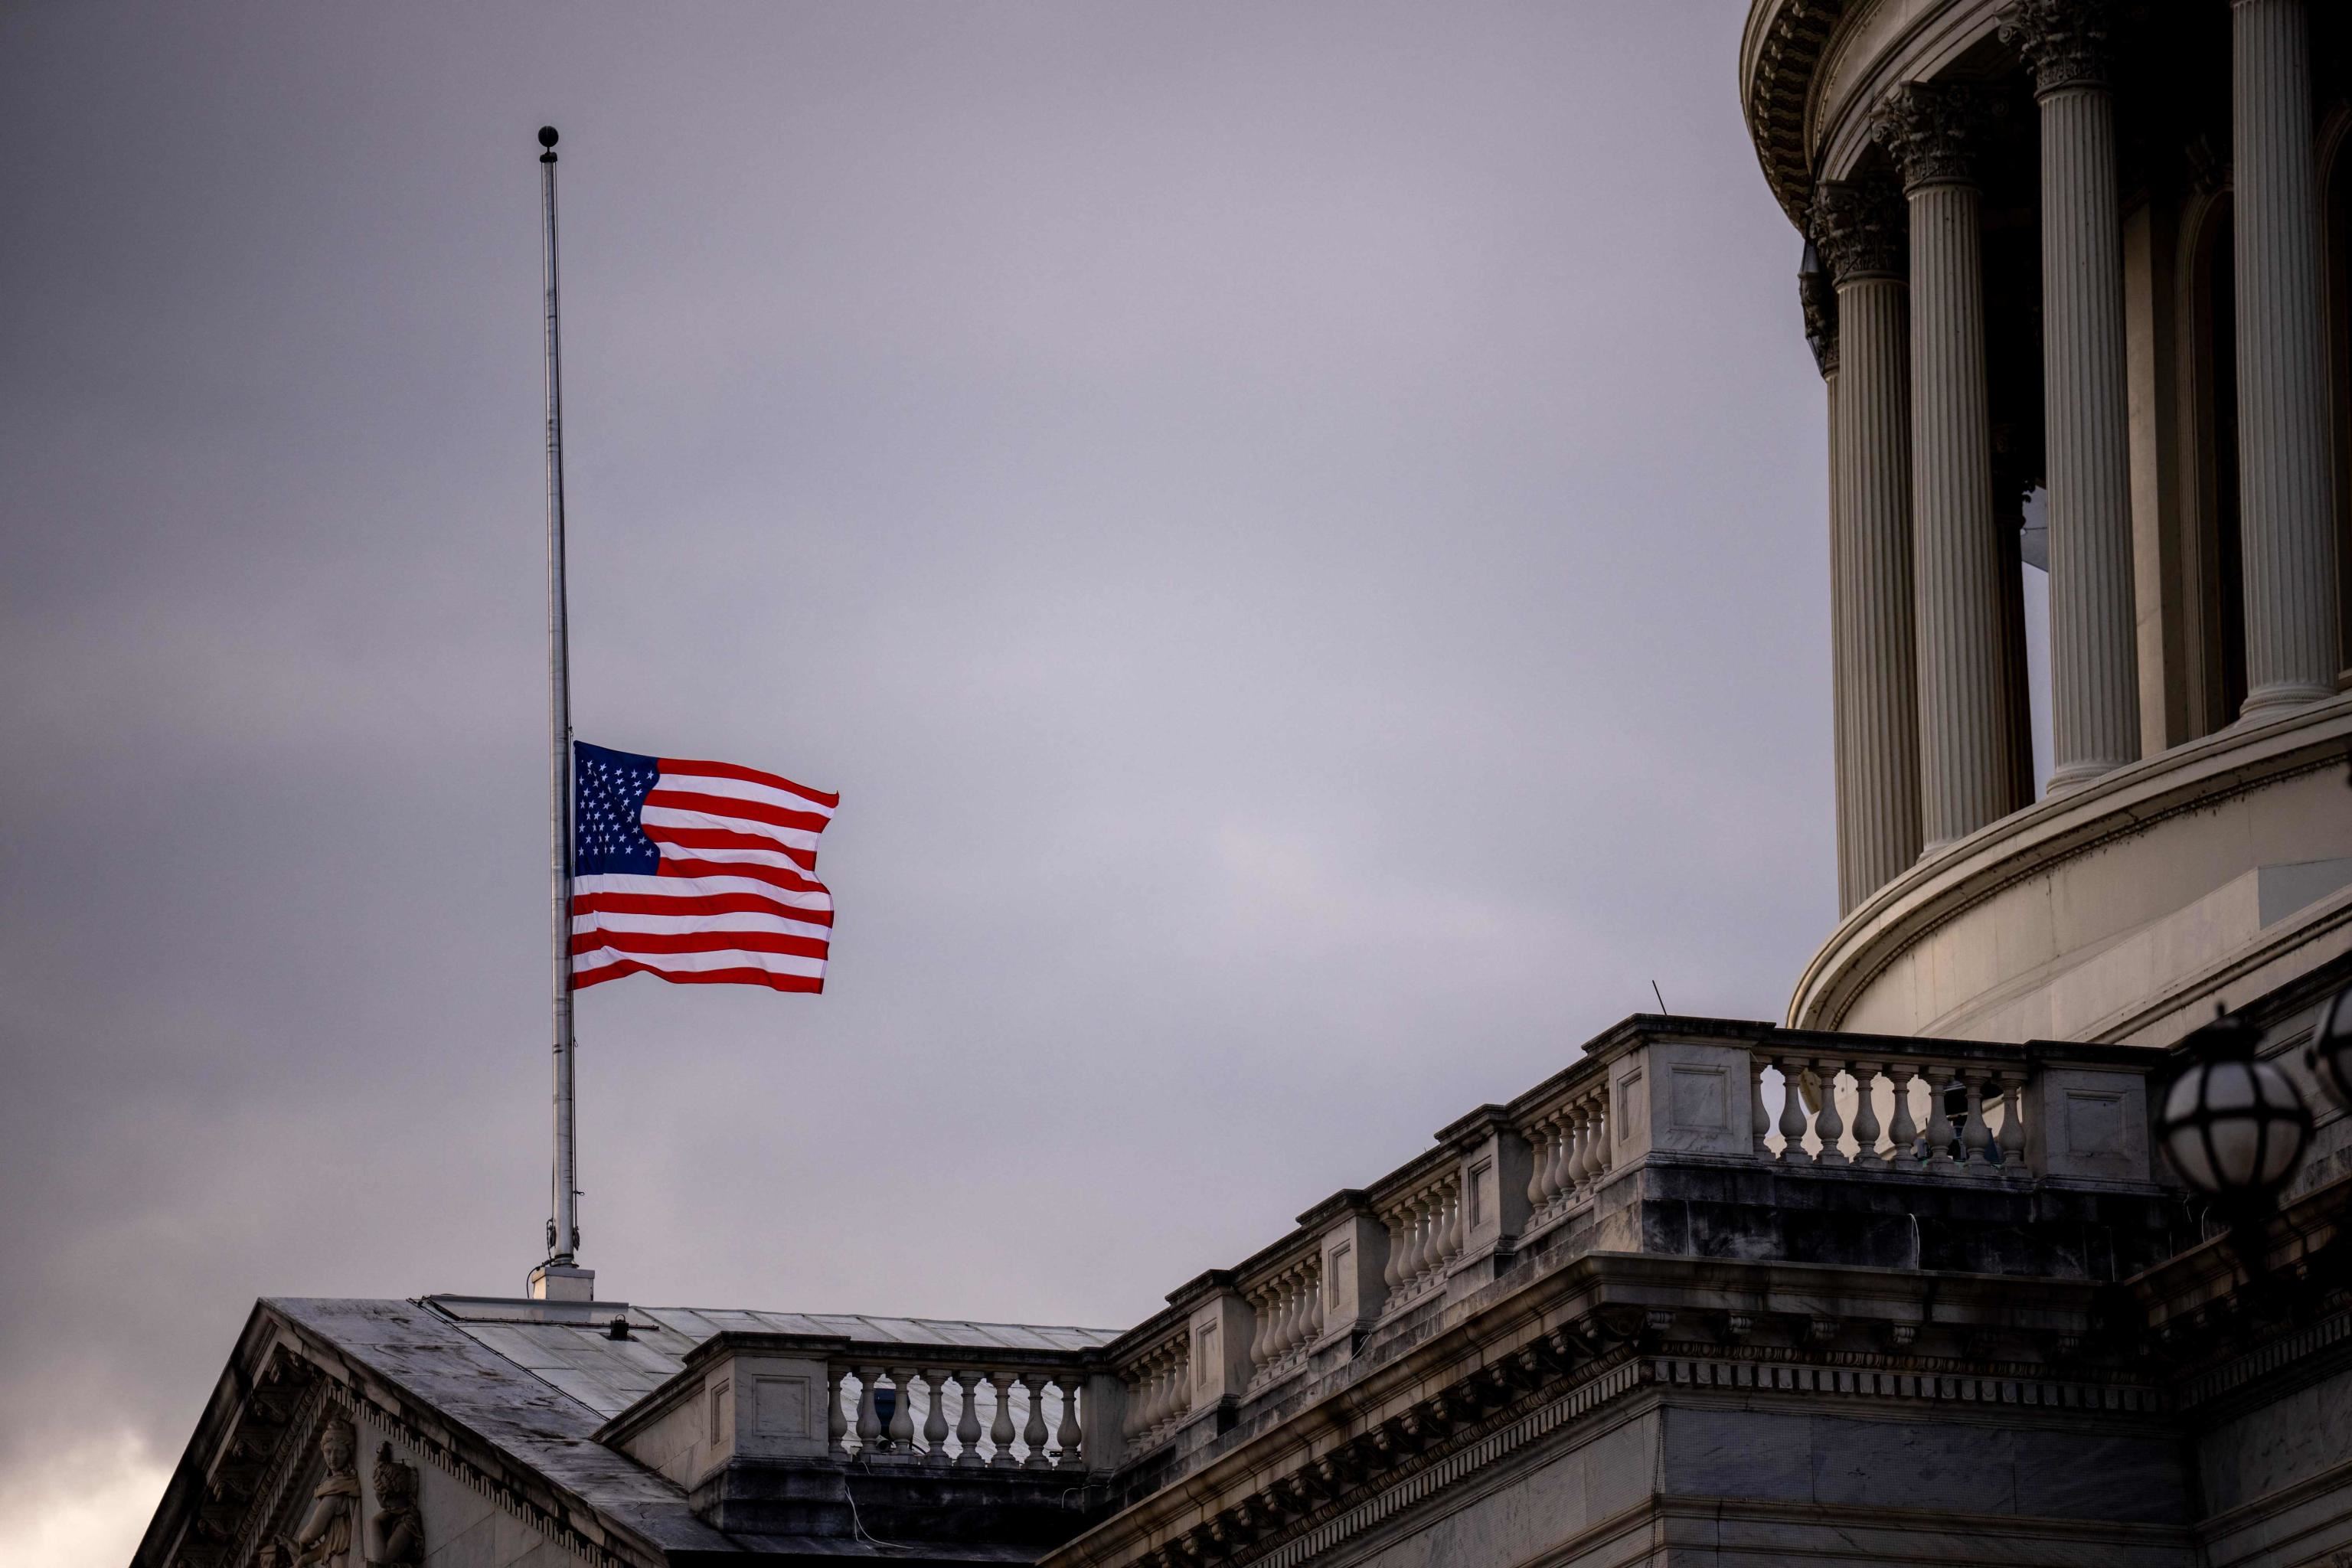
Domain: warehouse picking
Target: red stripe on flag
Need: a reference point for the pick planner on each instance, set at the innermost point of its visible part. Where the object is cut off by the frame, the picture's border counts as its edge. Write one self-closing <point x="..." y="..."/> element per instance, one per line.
<point x="720" y="838"/>
<point x="693" y="904"/>
<point x="806" y="983"/>
<point x="748" y="775"/>
<point x="737" y="807"/>
<point x="781" y="876"/>
<point x="698" y="941"/>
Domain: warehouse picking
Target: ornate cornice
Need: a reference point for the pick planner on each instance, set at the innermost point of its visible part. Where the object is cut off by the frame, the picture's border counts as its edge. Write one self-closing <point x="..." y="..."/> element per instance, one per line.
<point x="1932" y="130"/>
<point x="1781" y="50"/>
<point x="1860" y="227"/>
<point x="2064" y="42"/>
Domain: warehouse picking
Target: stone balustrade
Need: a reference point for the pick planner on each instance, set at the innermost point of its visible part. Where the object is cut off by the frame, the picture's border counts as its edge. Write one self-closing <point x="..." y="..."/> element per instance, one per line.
<point x="1425" y="1237"/>
<point x="1286" y="1307"/>
<point x="1003" y="1418"/>
<point x="1569" y="1135"/>
<point x="1159" y="1381"/>
<point x="1896" y="1106"/>
<point x="1598" y="1158"/>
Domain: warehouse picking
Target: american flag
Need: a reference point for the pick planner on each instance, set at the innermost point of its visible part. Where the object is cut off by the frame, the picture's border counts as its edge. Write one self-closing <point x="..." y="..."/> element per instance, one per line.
<point x="703" y="873"/>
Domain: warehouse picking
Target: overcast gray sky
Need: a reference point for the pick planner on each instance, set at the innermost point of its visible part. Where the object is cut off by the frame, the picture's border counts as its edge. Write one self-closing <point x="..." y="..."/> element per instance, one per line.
<point x="1296" y="532"/>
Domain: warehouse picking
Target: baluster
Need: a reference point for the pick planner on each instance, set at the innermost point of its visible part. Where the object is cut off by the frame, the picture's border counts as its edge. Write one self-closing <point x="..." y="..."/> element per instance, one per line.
<point x="1866" y="1115"/>
<point x="999" y="1430"/>
<point x="1829" y="1126"/>
<point x="1139" y="1404"/>
<point x="1601" y="1159"/>
<point x="1409" y="1272"/>
<point x="1261" y="1303"/>
<point x="902" y="1410"/>
<point x="1539" y="1138"/>
<point x="1563" y="1157"/>
<point x="967" y="1430"/>
<point x="935" y="1418"/>
<point x="1294" y="1311"/>
<point x="1576" y="1149"/>
<point x="837" y="1424"/>
<point x="1180" y="1402"/>
<point x="1939" y="1119"/>
<point x="1071" y="1437"/>
<point x="2012" y="1122"/>
<point x="1976" y="1139"/>
<point x="1793" y="1110"/>
<point x="869" y="1424"/>
<point x="1901" y="1150"/>
<point x="1452" y="1241"/>
<point x="1315" y="1302"/>
<point x="1763" y="1116"/>
<point x="1032" y="1430"/>
<point x="1390" y="1275"/>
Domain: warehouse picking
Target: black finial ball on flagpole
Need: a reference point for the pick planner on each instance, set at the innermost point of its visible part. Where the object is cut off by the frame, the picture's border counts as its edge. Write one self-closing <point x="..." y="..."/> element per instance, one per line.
<point x="547" y="140"/>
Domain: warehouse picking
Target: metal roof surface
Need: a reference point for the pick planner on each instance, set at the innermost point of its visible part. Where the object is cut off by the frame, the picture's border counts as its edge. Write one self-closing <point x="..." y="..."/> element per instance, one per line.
<point x="567" y="1345"/>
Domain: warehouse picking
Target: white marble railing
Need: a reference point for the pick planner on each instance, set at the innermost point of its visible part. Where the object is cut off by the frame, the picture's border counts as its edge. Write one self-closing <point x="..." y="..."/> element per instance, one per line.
<point x="1893" y="1109"/>
<point x="1425" y="1234"/>
<point x="1508" y="1178"/>
<point x="1025" y="1417"/>
<point x="1569" y="1147"/>
<point x="1286" y="1307"/>
<point x="1158" y="1382"/>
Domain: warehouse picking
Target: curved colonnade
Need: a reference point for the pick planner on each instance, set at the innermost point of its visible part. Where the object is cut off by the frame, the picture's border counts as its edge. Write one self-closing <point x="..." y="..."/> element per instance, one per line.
<point x="1999" y="201"/>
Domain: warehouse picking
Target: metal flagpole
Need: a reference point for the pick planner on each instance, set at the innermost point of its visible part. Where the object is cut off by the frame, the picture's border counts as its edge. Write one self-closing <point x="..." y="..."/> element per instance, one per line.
<point x="563" y="1220"/>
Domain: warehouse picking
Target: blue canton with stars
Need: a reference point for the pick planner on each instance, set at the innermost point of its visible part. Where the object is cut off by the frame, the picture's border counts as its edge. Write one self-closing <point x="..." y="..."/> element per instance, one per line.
<point x="608" y="792"/>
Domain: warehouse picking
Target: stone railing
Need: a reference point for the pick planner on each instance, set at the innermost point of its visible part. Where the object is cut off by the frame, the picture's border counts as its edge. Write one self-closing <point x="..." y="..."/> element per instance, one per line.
<point x="1920" y="1106"/>
<point x="1426" y="1236"/>
<point x="1548" y="1170"/>
<point x="1568" y="1131"/>
<point x="1157" y="1378"/>
<point x="886" y="1408"/>
<point x="1286" y="1307"/>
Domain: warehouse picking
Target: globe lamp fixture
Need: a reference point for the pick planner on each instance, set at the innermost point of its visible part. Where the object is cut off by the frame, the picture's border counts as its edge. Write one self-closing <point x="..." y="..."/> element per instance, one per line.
<point x="2232" y="1125"/>
<point x="2328" y="1053"/>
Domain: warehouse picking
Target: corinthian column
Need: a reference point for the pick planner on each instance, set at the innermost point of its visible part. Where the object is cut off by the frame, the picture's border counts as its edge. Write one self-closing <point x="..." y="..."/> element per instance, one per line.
<point x="2286" y="535"/>
<point x="1859" y="229"/>
<point x="1817" y="297"/>
<point x="1966" y="776"/>
<point x="2094" y="651"/>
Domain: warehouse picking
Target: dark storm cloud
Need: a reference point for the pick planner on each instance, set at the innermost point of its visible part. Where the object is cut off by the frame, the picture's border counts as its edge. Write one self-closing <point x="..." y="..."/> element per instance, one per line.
<point x="1296" y="532"/>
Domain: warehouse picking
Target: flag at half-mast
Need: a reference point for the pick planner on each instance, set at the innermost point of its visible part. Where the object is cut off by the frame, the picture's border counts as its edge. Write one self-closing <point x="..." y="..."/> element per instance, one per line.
<point x="703" y="873"/>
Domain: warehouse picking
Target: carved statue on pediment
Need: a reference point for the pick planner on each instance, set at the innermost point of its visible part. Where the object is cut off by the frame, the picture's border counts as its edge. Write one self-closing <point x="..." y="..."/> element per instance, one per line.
<point x="324" y="1536"/>
<point x="396" y="1532"/>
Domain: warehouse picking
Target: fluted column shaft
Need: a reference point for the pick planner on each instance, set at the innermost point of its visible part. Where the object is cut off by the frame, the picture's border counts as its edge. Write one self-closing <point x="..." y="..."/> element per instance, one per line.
<point x="2286" y="528"/>
<point x="1841" y="699"/>
<point x="1876" y="681"/>
<point x="1965" y="771"/>
<point x="2093" y="647"/>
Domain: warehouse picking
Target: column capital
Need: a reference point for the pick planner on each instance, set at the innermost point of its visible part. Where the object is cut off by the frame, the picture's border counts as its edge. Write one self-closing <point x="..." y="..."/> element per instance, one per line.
<point x="2065" y="42"/>
<point x="1860" y="227"/>
<point x="1931" y="129"/>
<point x="1817" y="297"/>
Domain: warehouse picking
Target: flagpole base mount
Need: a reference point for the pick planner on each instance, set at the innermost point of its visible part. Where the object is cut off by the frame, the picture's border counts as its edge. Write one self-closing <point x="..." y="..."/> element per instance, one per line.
<point x="563" y="1283"/>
